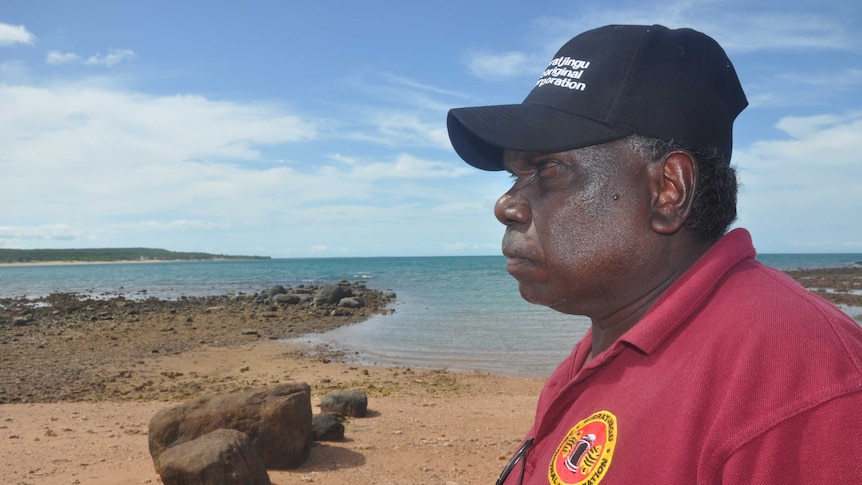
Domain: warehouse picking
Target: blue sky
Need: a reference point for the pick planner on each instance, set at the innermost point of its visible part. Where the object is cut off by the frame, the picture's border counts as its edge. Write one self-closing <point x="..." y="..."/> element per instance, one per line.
<point x="317" y="129"/>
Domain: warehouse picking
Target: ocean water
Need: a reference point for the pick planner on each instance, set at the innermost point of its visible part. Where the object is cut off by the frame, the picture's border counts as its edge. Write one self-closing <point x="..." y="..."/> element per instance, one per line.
<point x="455" y="312"/>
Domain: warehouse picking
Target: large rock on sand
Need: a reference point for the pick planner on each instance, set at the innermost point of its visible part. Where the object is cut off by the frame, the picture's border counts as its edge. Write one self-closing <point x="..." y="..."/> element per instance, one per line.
<point x="276" y="419"/>
<point x="345" y="403"/>
<point x="223" y="457"/>
<point x="331" y="294"/>
<point x="327" y="427"/>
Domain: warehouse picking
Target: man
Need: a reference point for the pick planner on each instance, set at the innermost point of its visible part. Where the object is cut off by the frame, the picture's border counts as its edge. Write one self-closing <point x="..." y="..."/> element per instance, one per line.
<point x="701" y="366"/>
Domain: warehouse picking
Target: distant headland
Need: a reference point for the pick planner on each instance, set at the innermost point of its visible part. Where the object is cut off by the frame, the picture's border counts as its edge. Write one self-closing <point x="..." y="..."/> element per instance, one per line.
<point x="107" y="255"/>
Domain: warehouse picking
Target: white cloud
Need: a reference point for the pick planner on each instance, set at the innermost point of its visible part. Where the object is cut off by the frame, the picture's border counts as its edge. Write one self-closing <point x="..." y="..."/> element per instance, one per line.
<point x="810" y="127"/>
<point x="834" y="81"/>
<point x="170" y="225"/>
<point x="422" y="87"/>
<point x="407" y="128"/>
<point x="390" y="89"/>
<point x="806" y="185"/>
<point x="406" y="112"/>
<point x="406" y="166"/>
<point x="114" y="56"/>
<point x="745" y="27"/>
<point x="14" y="236"/>
<point x="747" y="32"/>
<point x="488" y="65"/>
<point x="737" y="26"/>
<point x="104" y="164"/>
<point x="56" y="58"/>
<point x="13" y="71"/>
<point x="15" y="34"/>
<point x="109" y="152"/>
<point x="412" y="127"/>
<point x="10" y="235"/>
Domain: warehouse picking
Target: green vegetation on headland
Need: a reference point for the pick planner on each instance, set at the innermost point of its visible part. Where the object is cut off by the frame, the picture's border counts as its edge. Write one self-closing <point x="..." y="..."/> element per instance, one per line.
<point x="106" y="255"/>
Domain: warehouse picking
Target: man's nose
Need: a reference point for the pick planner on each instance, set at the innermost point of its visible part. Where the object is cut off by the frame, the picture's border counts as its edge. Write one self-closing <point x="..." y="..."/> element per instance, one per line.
<point x="511" y="209"/>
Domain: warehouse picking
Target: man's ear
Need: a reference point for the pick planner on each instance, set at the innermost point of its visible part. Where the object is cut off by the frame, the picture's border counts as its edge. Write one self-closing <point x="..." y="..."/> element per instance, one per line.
<point x="674" y="182"/>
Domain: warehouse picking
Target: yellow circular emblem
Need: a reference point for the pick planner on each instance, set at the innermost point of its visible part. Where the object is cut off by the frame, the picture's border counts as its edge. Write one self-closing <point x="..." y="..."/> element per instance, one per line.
<point x="584" y="456"/>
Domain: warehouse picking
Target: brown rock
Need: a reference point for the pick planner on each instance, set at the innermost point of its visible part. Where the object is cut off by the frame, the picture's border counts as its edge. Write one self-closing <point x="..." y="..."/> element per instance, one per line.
<point x="331" y="294"/>
<point x="276" y="419"/>
<point x="327" y="427"/>
<point x="345" y="403"/>
<point x="222" y="457"/>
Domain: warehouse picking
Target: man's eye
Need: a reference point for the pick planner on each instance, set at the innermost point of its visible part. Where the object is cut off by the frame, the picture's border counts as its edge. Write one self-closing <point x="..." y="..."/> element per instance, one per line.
<point x="538" y="172"/>
<point x="548" y="170"/>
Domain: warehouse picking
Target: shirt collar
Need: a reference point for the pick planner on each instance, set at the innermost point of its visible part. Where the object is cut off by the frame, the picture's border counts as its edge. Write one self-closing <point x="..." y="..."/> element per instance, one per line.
<point x="689" y="292"/>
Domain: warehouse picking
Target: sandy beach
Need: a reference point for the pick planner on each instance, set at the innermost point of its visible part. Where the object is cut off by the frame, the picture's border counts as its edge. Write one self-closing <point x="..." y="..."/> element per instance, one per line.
<point x="81" y="379"/>
<point x="424" y="426"/>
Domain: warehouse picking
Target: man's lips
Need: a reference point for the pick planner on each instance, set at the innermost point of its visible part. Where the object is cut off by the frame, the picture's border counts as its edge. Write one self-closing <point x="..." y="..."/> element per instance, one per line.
<point x="516" y="266"/>
<point x="517" y="258"/>
<point x="519" y="252"/>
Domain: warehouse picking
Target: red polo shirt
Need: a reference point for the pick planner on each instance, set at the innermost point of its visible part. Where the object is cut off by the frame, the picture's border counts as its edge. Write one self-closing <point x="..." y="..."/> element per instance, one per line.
<point x="736" y="375"/>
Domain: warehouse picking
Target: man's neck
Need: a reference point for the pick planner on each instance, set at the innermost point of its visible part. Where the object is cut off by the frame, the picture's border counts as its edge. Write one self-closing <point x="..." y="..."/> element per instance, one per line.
<point x="607" y="329"/>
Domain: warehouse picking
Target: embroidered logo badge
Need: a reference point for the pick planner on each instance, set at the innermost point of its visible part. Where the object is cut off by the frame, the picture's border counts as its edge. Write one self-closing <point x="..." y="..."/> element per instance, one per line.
<point x="565" y="72"/>
<point x="585" y="454"/>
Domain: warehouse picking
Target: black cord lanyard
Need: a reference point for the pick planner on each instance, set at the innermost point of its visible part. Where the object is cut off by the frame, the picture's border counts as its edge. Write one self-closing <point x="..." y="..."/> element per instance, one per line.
<point x="519" y="455"/>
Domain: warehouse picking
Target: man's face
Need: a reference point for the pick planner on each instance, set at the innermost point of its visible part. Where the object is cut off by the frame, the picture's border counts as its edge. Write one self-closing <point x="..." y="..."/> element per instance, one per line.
<point x="576" y="223"/>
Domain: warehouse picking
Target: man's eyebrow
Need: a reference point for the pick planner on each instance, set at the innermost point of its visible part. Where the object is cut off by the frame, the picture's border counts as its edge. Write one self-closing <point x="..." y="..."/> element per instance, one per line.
<point x="524" y="158"/>
<point x="518" y="164"/>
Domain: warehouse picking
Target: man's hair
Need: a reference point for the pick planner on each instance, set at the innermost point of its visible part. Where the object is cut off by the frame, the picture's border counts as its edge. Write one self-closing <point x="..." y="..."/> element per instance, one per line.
<point x="713" y="209"/>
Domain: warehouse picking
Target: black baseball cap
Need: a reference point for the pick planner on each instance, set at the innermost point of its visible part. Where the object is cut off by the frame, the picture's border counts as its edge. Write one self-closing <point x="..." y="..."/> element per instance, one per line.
<point x="609" y="83"/>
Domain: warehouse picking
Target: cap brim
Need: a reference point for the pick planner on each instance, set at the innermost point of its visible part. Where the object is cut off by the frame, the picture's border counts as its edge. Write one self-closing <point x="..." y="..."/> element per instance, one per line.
<point x="480" y="134"/>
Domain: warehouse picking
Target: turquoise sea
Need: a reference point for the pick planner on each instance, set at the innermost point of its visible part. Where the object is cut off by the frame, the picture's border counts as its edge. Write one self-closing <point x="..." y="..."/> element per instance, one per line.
<point x="455" y="312"/>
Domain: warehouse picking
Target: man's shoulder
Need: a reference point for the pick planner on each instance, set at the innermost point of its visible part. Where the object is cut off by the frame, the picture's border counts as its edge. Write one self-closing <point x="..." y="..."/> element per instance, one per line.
<point x="778" y="323"/>
<point x="769" y="293"/>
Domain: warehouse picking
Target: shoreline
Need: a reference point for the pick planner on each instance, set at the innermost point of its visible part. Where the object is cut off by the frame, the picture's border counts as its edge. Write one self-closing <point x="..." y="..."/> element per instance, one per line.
<point x="118" y="261"/>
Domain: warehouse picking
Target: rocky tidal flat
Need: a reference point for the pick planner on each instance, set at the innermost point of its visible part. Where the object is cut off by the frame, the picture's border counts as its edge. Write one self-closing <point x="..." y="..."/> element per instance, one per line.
<point x="67" y="347"/>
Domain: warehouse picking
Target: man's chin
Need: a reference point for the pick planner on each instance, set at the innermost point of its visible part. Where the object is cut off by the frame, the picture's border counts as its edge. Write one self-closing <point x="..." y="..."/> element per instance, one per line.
<point x="525" y="270"/>
<point x="539" y="296"/>
<point x="531" y="294"/>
